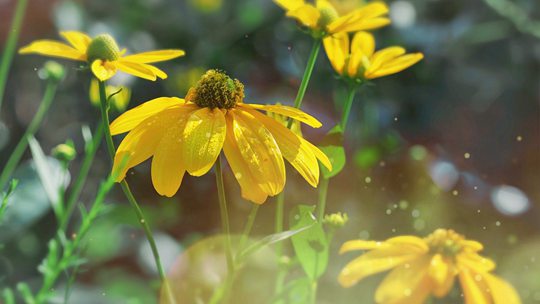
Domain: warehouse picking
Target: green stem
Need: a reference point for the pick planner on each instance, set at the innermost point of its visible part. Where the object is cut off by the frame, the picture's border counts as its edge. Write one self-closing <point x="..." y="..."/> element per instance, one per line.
<point x="347" y="108"/>
<point x="323" y="193"/>
<point x="249" y="226"/>
<point x="129" y="195"/>
<point x="89" y="156"/>
<point x="16" y="155"/>
<point x="11" y="42"/>
<point x="224" y="215"/>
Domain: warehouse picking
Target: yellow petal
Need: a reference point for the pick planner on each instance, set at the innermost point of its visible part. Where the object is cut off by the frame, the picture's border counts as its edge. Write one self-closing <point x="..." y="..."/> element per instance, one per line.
<point x="306" y="14"/>
<point x="242" y="172"/>
<point x="259" y="151"/>
<point x="168" y="166"/>
<point x="396" y="65"/>
<point x="290" y="5"/>
<point x="136" y="69"/>
<point x="365" y="18"/>
<point x="407" y="283"/>
<point x="135" y="116"/>
<point x="78" y="40"/>
<point x="202" y="140"/>
<point x="143" y="140"/>
<point x="320" y="156"/>
<point x="410" y="242"/>
<point x="54" y="49"/>
<point x="362" y="48"/>
<point x="360" y="245"/>
<point x="285" y="111"/>
<point x="337" y="50"/>
<point x="383" y="56"/>
<point x="501" y="291"/>
<point x="293" y="148"/>
<point x="158" y="72"/>
<point x="154" y="56"/>
<point x="475" y="261"/>
<point x="474" y="287"/>
<point x="375" y="261"/>
<point x="103" y="70"/>
<point x="441" y="272"/>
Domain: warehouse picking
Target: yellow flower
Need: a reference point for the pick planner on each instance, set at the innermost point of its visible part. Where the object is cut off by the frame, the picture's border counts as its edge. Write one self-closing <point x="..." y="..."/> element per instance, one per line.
<point x="119" y="96"/>
<point x="428" y="266"/>
<point x="103" y="56"/>
<point x="358" y="60"/>
<point x="188" y="135"/>
<point x="323" y="18"/>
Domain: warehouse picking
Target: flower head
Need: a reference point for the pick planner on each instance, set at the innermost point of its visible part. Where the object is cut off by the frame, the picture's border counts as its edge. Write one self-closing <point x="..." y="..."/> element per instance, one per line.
<point x="323" y="18"/>
<point x="189" y="134"/>
<point x="103" y="55"/>
<point x="428" y="266"/>
<point x="359" y="60"/>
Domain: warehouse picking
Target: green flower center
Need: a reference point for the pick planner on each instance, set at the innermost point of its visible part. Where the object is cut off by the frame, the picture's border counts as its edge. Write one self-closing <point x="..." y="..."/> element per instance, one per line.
<point x="216" y="89"/>
<point x="445" y="242"/>
<point x="103" y="47"/>
<point x="328" y="15"/>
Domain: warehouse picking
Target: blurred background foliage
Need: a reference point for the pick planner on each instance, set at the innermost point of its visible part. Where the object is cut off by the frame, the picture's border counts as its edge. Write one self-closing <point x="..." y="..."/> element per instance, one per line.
<point x="453" y="142"/>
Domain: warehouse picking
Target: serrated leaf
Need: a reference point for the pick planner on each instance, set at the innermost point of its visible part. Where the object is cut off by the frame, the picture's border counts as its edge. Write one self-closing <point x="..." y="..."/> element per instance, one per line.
<point x="310" y="245"/>
<point x="332" y="146"/>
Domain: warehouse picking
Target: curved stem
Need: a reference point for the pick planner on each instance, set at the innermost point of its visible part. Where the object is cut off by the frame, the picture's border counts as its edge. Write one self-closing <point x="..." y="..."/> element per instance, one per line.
<point x="17" y="153"/>
<point x="129" y="194"/>
<point x="91" y="150"/>
<point x="11" y="42"/>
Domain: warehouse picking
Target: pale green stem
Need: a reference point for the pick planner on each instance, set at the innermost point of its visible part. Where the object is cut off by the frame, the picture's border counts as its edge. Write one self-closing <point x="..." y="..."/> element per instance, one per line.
<point x="17" y="153"/>
<point x="127" y="191"/>
<point x="11" y="43"/>
<point x="249" y="226"/>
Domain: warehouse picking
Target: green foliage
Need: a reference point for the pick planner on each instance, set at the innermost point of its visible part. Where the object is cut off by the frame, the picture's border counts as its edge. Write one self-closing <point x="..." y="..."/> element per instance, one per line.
<point x="332" y="146"/>
<point x="6" y="195"/>
<point x="310" y="245"/>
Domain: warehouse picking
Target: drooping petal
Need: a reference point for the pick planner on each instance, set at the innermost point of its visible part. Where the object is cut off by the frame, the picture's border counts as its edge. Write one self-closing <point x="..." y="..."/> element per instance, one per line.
<point x="320" y="155"/>
<point x="54" y="49"/>
<point x="375" y="261"/>
<point x="143" y="140"/>
<point x="396" y="65"/>
<point x="136" y="69"/>
<point x="407" y="284"/>
<point x="362" y="48"/>
<point x="337" y="50"/>
<point x="501" y="291"/>
<point x="242" y="172"/>
<point x="78" y="40"/>
<point x="293" y="148"/>
<point x="285" y="111"/>
<point x="441" y="273"/>
<point x="475" y="261"/>
<point x="290" y="5"/>
<point x="168" y="165"/>
<point x="157" y="71"/>
<point x="306" y="14"/>
<point x="382" y="57"/>
<point x="103" y="70"/>
<point x="360" y="245"/>
<point x="135" y="116"/>
<point x="410" y="242"/>
<point x="202" y="140"/>
<point x="365" y="18"/>
<point x="474" y="287"/>
<point x="154" y="56"/>
<point x="259" y="151"/>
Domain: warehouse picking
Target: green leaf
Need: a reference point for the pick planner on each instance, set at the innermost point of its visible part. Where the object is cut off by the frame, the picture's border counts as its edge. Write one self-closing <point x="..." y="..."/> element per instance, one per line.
<point x="310" y="245"/>
<point x="269" y="240"/>
<point x="299" y="291"/>
<point x="332" y="146"/>
<point x="9" y="296"/>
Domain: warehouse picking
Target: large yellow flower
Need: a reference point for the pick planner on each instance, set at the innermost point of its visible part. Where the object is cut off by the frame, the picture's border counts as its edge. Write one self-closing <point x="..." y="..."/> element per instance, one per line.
<point x="103" y="56"/>
<point x="359" y="60"/>
<point x="428" y="266"/>
<point x="323" y="18"/>
<point x="188" y="135"/>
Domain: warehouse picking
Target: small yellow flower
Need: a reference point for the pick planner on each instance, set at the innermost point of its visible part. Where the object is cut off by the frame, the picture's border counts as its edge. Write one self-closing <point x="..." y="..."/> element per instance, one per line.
<point x="359" y="60"/>
<point x="323" y="18"/>
<point x="428" y="266"/>
<point x="119" y="96"/>
<point x="188" y="135"/>
<point x="103" y="55"/>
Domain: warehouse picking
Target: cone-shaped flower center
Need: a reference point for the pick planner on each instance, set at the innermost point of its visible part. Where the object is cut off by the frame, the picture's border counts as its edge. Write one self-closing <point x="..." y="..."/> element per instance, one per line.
<point x="216" y="89"/>
<point x="445" y="242"/>
<point x="328" y="14"/>
<point x="103" y="47"/>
